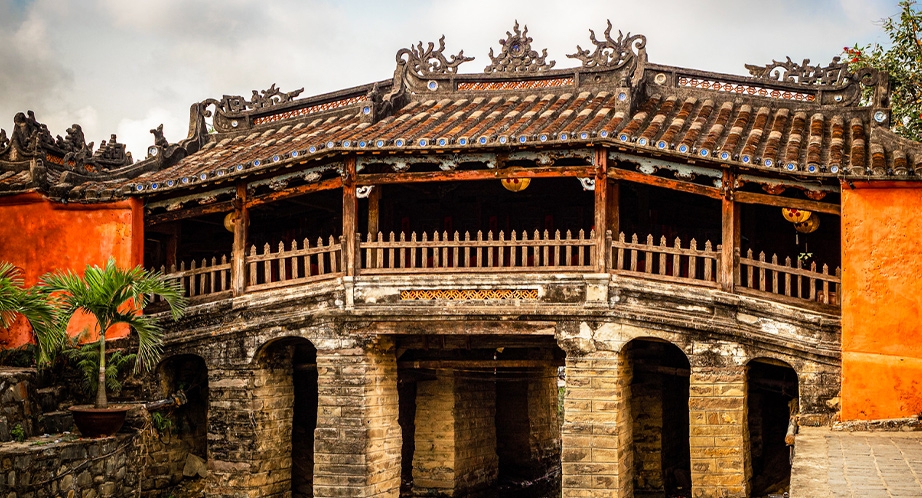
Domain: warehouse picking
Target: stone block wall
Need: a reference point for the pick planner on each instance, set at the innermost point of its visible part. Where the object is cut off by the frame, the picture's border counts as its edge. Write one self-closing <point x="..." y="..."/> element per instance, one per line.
<point x="455" y="435"/>
<point x="18" y="405"/>
<point x="357" y="442"/>
<point x="73" y="468"/>
<point x="719" y="431"/>
<point x="597" y="431"/>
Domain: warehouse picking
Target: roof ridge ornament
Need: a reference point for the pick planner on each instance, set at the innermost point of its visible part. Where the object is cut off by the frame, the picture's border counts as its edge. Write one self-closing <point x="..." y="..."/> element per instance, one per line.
<point x="430" y="61"/>
<point x="234" y="104"/>
<point x="609" y="53"/>
<point x="836" y="73"/>
<point x="517" y="55"/>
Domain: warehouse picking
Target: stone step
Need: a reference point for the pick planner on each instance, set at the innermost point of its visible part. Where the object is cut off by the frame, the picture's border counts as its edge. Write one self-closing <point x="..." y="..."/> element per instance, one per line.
<point x="57" y="422"/>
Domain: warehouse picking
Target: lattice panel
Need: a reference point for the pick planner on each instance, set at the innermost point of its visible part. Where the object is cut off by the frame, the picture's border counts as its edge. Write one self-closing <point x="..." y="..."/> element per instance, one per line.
<point x="468" y="294"/>
<point x="308" y="110"/>
<point x="514" y="85"/>
<point x="740" y="88"/>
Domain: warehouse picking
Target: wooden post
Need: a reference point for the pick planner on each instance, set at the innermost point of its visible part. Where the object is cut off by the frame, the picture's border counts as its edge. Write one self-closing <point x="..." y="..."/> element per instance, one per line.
<point x="614" y="209"/>
<point x="374" y="227"/>
<point x="601" y="207"/>
<point x="238" y="253"/>
<point x="730" y="237"/>
<point x="350" y="218"/>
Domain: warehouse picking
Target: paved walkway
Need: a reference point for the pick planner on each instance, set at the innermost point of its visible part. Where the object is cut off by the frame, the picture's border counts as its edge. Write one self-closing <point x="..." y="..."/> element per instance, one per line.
<point x="830" y="464"/>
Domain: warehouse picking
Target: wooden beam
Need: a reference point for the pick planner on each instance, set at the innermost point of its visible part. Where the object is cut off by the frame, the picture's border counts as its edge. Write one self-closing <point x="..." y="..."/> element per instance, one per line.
<point x="479" y="364"/>
<point x="600" y="160"/>
<point x="730" y="236"/>
<point x="657" y="181"/>
<point x="481" y="174"/>
<point x="350" y="216"/>
<point x="181" y="214"/>
<point x="328" y="184"/>
<point x="238" y="252"/>
<point x="774" y="200"/>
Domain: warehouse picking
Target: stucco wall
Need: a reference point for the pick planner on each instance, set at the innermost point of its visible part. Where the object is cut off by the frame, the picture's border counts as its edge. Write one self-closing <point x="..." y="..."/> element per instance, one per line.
<point x="882" y="301"/>
<point x="40" y="236"/>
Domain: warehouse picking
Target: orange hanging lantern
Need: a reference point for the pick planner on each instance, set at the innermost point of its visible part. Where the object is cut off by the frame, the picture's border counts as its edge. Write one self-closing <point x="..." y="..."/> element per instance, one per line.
<point x="795" y="215"/>
<point x="808" y="226"/>
<point x="515" y="184"/>
<point x="230" y="220"/>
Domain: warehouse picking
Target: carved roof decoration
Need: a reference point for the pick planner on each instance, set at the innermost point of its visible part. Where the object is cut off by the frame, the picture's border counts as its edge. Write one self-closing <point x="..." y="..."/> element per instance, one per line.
<point x="517" y="54"/>
<point x="612" y="54"/>
<point x="788" y="121"/>
<point x="431" y="61"/>
<point x="835" y="73"/>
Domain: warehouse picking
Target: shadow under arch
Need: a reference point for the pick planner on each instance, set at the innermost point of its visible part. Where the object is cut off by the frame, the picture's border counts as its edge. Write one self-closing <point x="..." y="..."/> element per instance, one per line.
<point x="658" y="394"/>
<point x="773" y="393"/>
<point x="292" y="361"/>
<point x="186" y="426"/>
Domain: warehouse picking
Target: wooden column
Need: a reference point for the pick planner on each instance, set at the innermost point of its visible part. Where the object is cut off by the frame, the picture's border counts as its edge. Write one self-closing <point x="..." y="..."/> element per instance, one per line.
<point x="350" y="216"/>
<point x="601" y="207"/>
<point x="374" y="198"/>
<point x="730" y="238"/>
<point x="238" y="253"/>
<point x="614" y="210"/>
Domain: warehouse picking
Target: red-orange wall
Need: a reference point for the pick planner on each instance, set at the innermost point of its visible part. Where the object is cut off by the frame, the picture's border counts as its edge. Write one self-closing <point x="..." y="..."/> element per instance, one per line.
<point x="881" y="301"/>
<point x="40" y="236"/>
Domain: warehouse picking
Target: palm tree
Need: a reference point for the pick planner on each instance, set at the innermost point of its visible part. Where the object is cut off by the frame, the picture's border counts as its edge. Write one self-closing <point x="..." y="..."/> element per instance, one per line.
<point x="114" y="295"/>
<point x="33" y="304"/>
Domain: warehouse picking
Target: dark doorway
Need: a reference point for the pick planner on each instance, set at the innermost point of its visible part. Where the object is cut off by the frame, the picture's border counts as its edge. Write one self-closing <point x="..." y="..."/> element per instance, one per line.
<point x="304" y="419"/>
<point x="659" y="408"/>
<point x="772" y="400"/>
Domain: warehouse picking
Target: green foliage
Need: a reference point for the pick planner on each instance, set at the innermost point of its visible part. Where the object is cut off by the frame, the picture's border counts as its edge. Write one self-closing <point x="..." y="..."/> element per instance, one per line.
<point x="114" y="295"/>
<point x="163" y="423"/>
<point x="18" y="433"/>
<point x="86" y="358"/>
<point x="32" y="303"/>
<point x="903" y="61"/>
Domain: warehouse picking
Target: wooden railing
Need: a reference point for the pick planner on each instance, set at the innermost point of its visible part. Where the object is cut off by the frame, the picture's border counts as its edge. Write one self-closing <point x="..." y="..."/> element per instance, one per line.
<point x="673" y="263"/>
<point x="202" y="279"/>
<point x="446" y="254"/>
<point x="791" y="283"/>
<point x="293" y="265"/>
<point x="540" y="252"/>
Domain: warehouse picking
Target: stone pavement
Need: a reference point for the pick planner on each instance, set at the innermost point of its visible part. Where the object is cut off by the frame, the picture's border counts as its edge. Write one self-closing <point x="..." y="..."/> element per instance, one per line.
<point x="833" y="464"/>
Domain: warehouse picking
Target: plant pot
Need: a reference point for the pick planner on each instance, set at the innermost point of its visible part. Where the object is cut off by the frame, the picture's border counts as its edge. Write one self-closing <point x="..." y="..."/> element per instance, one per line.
<point x="98" y="422"/>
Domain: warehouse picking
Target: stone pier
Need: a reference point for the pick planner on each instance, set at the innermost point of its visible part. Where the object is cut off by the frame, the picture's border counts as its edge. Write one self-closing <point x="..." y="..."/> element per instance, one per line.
<point x="596" y="436"/>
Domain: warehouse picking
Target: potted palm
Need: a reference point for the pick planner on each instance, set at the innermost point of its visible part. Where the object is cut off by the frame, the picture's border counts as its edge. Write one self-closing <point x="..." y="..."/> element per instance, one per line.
<point x="32" y="303"/>
<point x="113" y="295"/>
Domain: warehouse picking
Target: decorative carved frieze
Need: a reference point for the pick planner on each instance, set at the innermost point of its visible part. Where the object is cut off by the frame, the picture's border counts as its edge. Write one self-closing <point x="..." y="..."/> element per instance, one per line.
<point x="429" y="61"/>
<point x="235" y="104"/>
<point x="468" y="294"/>
<point x="835" y="73"/>
<point x="610" y="53"/>
<point x="517" y="55"/>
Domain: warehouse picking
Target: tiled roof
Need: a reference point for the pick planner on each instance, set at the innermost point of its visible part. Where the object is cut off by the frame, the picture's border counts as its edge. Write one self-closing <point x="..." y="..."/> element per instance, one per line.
<point x="807" y="127"/>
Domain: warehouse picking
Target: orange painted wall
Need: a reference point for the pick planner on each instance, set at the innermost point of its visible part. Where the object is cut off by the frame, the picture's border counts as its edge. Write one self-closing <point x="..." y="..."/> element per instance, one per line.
<point x="40" y="236"/>
<point x="881" y="301"/>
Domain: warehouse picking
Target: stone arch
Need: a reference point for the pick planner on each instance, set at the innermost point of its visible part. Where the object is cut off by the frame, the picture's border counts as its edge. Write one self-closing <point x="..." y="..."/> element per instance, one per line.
<point x="658" y="396"/>
<point x="287" y="382"/>
<point x="773" y="398"/>
<point x="182" y="430"/>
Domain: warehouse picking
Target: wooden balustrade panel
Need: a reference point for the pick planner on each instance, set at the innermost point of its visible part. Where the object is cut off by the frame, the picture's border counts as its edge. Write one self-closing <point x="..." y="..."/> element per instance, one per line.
<point x="457" y="253"/>
<point x="199" y="279"/>
<point x="661" y="260"/>
<point x="293" y="265"/>
<point x="789" y="281"/>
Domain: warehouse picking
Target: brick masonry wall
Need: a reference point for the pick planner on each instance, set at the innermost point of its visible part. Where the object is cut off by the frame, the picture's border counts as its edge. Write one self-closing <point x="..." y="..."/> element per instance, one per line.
<point x="72" y="468"/>
<point x="596" y="434"/>
<point x="544" y="433"/>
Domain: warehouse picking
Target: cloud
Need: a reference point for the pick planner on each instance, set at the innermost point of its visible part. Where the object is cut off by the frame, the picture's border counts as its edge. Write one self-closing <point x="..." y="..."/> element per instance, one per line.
<point x="137" y="131"/>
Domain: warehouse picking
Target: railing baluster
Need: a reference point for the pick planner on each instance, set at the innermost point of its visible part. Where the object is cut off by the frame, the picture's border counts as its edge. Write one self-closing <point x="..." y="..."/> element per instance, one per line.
<point x="648" y="255"/>
<point x="413" y="246"/>
<point x="825" y="284"/>
<point x="454" y="251"/>
<point x="545" y="249"/>
<point x="677" y="258"/>
<point x="774" y="274"/>
<point x="787" y="277"/>
<point x="812" y="282"/>
<point x="693" y="259"/>
<point x="467" y="249"/>
<point x="709" y="261"/>
<point x="762" y="272"/>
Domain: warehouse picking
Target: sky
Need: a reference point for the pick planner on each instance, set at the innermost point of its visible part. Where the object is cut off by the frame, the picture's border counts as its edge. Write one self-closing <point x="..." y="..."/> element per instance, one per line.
<point x="126" y="66"/>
